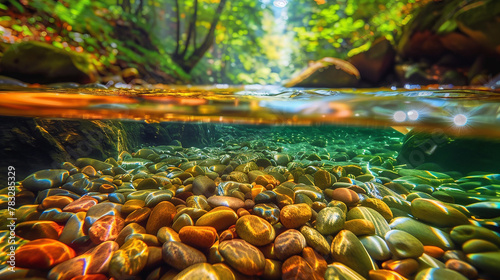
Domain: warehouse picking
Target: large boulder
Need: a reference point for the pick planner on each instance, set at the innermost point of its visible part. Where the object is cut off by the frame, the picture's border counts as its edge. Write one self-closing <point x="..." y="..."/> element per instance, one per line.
<point x="450" y="153"/>
<point x="463" y="28"/>
<point x="376" y="62"/>
<point x="480" y="21"/>
<point x="37" y="62"/>
<point x="327" y="72"/>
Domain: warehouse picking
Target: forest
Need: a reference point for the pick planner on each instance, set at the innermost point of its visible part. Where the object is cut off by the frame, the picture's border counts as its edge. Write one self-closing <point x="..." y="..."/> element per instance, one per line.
<point x="215" y="41"/>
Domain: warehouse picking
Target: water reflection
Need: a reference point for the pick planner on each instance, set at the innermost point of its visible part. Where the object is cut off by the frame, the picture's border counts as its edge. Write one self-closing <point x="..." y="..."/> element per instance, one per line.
<point x="464" y="112"/>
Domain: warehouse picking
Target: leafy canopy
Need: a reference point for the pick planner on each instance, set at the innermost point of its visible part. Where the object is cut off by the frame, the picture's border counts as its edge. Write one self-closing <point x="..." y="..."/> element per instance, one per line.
<point x="208" y="41"/>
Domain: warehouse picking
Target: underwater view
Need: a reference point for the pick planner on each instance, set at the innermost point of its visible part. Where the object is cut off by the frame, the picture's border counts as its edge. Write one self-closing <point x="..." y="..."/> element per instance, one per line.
<point x="220" y="139"/>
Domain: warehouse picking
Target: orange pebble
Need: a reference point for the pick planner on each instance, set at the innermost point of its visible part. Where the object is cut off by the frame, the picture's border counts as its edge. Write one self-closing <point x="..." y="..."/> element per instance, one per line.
<point x="463" y="268"/>
<point x="242" y="212"/>
<point x="56" y="201"/>
<point x="107" y="188"/>
<point x="80" y="205"/>
<point x="198" y="236"/>
<point x="405" y="267"/>
<point x="228" y="234"/>
<point x="89" y="171"/>
<point x="43" y="253"/>
<point x="91" y="277"/>
<point x="256" y="190"/>
<point x="434" y="251"/>
<point x="384" y="274"/>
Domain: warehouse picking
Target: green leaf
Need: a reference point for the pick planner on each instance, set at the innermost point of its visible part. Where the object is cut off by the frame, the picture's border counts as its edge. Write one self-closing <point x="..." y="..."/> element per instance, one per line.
<point x="57" y="44"/>
<point x="18" y="5"/>
<point x="447" y="26"/>
<point x="17" y="28"/>
<point x="27" y="31"/>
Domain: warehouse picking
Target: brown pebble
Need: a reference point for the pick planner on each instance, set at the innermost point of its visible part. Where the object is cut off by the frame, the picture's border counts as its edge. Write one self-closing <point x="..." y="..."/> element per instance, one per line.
<point x="228" y="234"/>
<point x="242" y="212"/>
<point x="219" y="218"/>
<point x="291" y="242"/>
<point x="295" y="215"/>
<point x="349" y="197"/>
<point x="89" y="171"/>
<point x="91" y="277"/>
<point x="298" y="268"/>
<point x="265" y="180"/>
<point x="132" y="205"/>
<point x="161" y="215"/>
<point x="106" y="228"/>
<point x="405" y="267"/>
<point x="138" y="216"/>
<point x="315" y="260"/>
<point x="82" y="204"/>
<point x="180" y="255"/>
<point x="243" y="257"/>
<point x="228" y="201"/>
<point x="202" y="237"/>
<point x="32" y="230"/>
<point x="434" y="251"/>
<point x="43" y="254"/>
<point x="128" y="230"/>
<point x="463" y="268"/>
<point x="94" y="261"/>
<point x="385" y="274"/>
<point x="357" y="189"/>
<point x="272" y="270"/>
<point x="107" y="188"/>
<point x="55" y="201"/>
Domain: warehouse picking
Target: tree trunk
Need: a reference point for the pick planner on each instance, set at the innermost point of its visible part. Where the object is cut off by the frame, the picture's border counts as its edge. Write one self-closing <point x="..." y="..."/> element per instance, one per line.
<point x="187" y="64"/>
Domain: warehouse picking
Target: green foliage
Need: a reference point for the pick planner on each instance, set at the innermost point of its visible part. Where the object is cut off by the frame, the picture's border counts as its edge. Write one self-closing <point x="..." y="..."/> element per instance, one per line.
<point x="16" y="4"/>
<point x="216" y="41"/>
<point x="336" y="28"/>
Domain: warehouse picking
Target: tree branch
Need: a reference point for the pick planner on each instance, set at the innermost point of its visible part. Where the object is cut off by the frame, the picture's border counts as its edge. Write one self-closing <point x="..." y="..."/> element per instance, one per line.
<point x="191" y="28"/>
<point x="178" y="32"/>
<point x="198" y="53"/>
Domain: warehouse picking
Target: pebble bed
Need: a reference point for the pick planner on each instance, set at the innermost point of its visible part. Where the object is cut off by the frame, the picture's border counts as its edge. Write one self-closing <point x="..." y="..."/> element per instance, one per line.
<point x="265" y="206"/>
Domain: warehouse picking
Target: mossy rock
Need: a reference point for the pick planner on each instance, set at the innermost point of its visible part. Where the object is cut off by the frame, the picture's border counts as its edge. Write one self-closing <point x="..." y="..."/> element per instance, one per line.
<point x="374" y="63"/>
<point x="452" y="154"/>
<point x="37" y="62"/>
<point x="327" y="72"/>
<point x="480" y="22"/>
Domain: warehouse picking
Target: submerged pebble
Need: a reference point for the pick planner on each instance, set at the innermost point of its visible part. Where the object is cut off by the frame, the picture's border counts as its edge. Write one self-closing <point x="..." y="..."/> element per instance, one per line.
<point x="331" y="210"/>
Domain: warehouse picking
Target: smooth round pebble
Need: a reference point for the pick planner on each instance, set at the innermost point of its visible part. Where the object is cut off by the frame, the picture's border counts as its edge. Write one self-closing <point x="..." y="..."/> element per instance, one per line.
<point x="243" y="256"/>
<point x="403" y="245"/>
<point x="43" y="253"/>
<point x="295" y="215"/>
<point x="255" y="230"/>
<point x="463" y="268"/>
<point x="360" y="227"/>
<point x="439" y="274"/>
<point x="180" y="255"/>
<point x="349" y="197"/>
<point x="289" y="243"/>
<point x="219" y="218"/>
<point x="330" y="220"/>
<point x="198" y="236"/>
